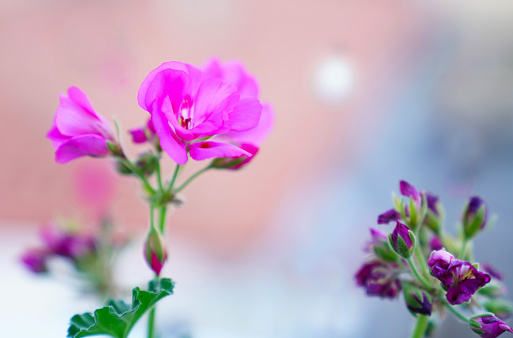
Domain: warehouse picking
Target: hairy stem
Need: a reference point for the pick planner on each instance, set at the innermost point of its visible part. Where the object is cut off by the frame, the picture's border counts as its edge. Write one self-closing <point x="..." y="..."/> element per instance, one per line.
<point x="419" y="277"/>
<point x="456" y="313"/>
<point x="192" y="178"/>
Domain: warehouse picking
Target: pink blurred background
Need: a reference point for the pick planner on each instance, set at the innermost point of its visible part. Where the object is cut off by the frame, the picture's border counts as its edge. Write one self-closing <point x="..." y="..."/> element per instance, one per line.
<point x="365" y="93"/>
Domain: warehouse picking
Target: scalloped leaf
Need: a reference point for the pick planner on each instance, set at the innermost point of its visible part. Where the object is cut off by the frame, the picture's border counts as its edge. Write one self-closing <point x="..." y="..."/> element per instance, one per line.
<point x="117" y="318"/>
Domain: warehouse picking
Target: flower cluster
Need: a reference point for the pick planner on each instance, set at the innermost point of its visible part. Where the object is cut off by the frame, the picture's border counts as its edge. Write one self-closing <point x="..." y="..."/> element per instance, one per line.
<point x="90" y="254"/>
<point x="434" y="270"/>
<point x="210" y="113"/>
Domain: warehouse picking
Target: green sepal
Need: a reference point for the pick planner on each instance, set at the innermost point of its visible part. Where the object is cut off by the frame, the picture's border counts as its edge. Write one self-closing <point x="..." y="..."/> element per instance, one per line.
<point x="122" y="168"/>
<point x="114" y="148"/>
<point x="147" y="163"/>
<point x="402" y="248"/>
<point x="492" y="290"/>
<point x="117" y="318"/>
<point x="501" y="308"/>
<point x="385" y="252"/>
<point x="397" y="202"/>
<point x="470" y="230"/>
<point x="227" y="162"/>
<point x="413" y="296"/>
<point x="414" y="216"/>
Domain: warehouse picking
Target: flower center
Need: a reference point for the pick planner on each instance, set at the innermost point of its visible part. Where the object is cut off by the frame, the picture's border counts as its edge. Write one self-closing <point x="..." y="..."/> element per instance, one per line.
<point x="185" y="113"/>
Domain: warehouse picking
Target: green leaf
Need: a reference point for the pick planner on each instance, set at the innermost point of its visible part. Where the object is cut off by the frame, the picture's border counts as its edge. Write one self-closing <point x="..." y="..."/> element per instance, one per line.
<point x="117" y="318"/>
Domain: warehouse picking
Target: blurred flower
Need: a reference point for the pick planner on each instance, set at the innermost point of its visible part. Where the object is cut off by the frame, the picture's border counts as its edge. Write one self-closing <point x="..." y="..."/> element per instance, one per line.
<point x="492" y="271"/>
<point x="381" y="247"/>
<point x="389" y="216"/>
<point x="409" y="190"/>
<point x="487" y="325"/>
<point x="435" y="243"/>
<point x="460" y="278"/>
<point x="66" y="244"/>
<point x="378" y="279"/>
<point x="188" y="105"/>
<point x="35" y="260"/>
<point x="77" y="129"/>
<point x="143" y="134"/>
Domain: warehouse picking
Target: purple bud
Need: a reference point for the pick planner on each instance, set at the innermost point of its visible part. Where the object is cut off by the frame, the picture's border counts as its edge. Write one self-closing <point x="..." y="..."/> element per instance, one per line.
<point x="475" y="216"/>
<point x="35" y="260"/>
<point x="380" y="245"/>
<point x="401" y="240"/>
<point x="65" y="244"/>
<point x="389" y="216"/>
<point x="378" y="279"/>
<point x="417" y="301"/>
<point x="432" y="202"/>
<point x="409" y="190"/>
<point x="487" y="325"/>
<point x="155" y="251"/>
<point x="138" y="135"/>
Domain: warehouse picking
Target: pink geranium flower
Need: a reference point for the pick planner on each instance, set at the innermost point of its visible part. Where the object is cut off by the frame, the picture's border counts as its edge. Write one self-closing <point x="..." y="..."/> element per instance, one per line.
<point x="188" y="105"/>
<point x="77" y="129"/>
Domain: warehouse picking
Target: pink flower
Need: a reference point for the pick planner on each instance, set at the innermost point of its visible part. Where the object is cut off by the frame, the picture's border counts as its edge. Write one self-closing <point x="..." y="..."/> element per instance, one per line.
<point x="188" y="105"/>
<point x="77" y="129"/>
<point x="233" y="72"/>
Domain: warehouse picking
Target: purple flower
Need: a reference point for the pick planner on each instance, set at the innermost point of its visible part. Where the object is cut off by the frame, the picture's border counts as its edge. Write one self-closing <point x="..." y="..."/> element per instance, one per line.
<point x="188" y="105"/>
<point x="66" y="244"/>
<point x="487" y="325"/>
<point x="77" y="129"/>
<point x="402" y="240"/>
<point x="460" y="278"/>
<point x="409" y="190"/>
<point x="475" y="216"/>
<point x="389" y="216"/>
<point x="378" y="279"/>
<point x="35" y="260"/>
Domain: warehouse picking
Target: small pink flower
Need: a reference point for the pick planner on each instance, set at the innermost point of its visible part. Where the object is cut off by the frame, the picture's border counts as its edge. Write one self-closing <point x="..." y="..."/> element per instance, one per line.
<point x="77" y="129"/>
<point x="188" y="105"/>
<point x="35" y="260"/>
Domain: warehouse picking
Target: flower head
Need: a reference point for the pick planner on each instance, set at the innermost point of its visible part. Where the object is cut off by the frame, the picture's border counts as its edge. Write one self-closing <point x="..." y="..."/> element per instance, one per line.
<point x="380" y="245"/>
<point x="77" y="129"/>
<point x="378" y="279"/>
<point x="188" y="105"/>
<point x="460" y="278"/>
<point x="417" y="301"/>
<point x="487" y="325"/>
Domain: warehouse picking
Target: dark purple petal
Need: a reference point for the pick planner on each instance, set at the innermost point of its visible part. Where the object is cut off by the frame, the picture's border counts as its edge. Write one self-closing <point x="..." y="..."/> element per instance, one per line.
<point x="138" y="135"/>
<point x="409" y="190"/>
<point x="378" y="279"/>
<point x="424" y="308"/>
<point x="436" y="243"/>
<point x="389" y="216"/>
<point x="473" y="207"/>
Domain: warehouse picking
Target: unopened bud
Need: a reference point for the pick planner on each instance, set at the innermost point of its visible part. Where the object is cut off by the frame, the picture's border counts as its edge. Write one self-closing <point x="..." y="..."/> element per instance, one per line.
<point x="402" y="240"/>
<point x="417" y="301"/>
<point x="475" y="216"/>
<point x="155" y="251"/>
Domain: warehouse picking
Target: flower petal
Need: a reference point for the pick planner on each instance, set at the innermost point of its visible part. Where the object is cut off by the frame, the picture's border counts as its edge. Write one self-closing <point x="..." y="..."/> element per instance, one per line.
<point x="234" y="73"/>
<point x="72" y="119"/>
<point x="92" y="145"/>
<point x="208" y="149"/>
<point x="168" y="140"/>
<point x="214" y="97"/>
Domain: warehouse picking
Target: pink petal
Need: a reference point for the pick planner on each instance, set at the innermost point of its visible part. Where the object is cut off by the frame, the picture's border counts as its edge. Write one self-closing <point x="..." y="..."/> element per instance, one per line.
<point x="55" y="136"/>
<point x="156" y="80"/>
<point x="92" y="145"/>
<point x="72" y="119"/>
<point x="168" y="140"/>
<point x="234" y="73"/>
<point x="214" y="97"/>
<point x="80" y="98"/>
<point x="209" y="149"/>
<point x="256" y="135"/>
<point x="245" y="115"/>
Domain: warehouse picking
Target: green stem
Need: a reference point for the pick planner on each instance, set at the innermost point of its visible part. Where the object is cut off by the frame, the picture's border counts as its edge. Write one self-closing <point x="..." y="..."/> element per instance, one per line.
<point x="173" y="180"/>
<point x="162" y="219"/>
<point x="159" y="177"/>
<point x="139" y="173"/>
<point x="420" y="326"/>
<point x="418" y="275"/>
<point x="457" y="313"/>
<point x="192" y="178"/>
<point x="423" y="265"/>
<point x="462" y="250"/>
<point x="151" y="323"/>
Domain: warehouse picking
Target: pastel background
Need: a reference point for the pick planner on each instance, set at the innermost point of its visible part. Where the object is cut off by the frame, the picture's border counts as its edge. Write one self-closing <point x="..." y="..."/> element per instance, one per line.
<point x="365" y="93"/>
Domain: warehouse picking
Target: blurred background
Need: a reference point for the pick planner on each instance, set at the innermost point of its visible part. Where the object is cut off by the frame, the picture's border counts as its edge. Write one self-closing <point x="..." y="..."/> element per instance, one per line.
<point x="365" y="93"/>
